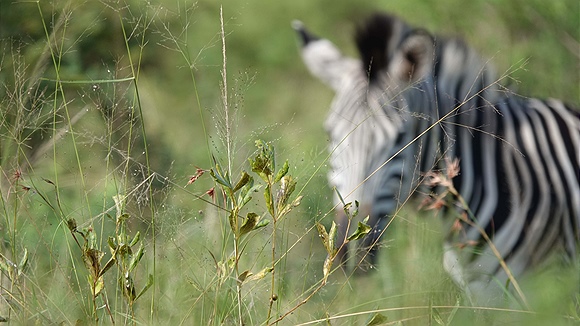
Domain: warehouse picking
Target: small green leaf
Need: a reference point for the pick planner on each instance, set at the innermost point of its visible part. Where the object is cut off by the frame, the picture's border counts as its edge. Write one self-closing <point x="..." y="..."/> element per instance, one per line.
<point x="332" y="238"/>
<point x="243" y="276"/>
<point x="233" y="219"/>
<point x="361" y="230"/>
<point x="322" y="232"/>
<point x="261" y="224"/>
<point x="260" y="275"/>
<point x="123" y="249"/>
<point x="231" y="262"/>
<point x="437" y="317"/>
<point x="90" y="237"/>
<point x="377" y="319"/>
<point x="244" y="179"/>
<point x="135" y="239"/>
<point x="269" y="202"/>
<point x="246" y="194"/>
<point x="217" y="176"/>
<point x="97" y="286"/>
<point x="326" y="237"/>
<point x="108" y="266"/>
<point x="146" y="287"/>
<point x="453" y="312"/>
<point x="23" y="261"/>
<point x="282" y="172"/>
<point x="355" y="212"/>
<point x="346" y="208"/>
<point x="92" y="259"/>
<point x="48" y="181"/>
<point x="366" y="219"/>
<point x="112" y="244"/>
<point x="135" y="259"/>
<point x="260" y="166"/>
<point x="287" y="187"/>
<point x="339" y="197"/>
<point x="327" y="267"/>
<point x="297" y="201"/>
<point x="250" y="223"/>
<point x="264" y="162"/>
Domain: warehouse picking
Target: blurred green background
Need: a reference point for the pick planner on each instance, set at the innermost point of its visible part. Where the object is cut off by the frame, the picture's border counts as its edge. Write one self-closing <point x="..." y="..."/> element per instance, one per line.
<point x="271" y="96"/>
<point x="276" y="95"/>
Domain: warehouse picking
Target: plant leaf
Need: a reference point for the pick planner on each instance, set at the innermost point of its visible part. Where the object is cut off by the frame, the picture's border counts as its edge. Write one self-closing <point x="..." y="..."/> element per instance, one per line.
<point x="282" y="172"/>
<point x="96" y="286"/>
<point x="287" y="187"/>
<point x="263" y="164"/>
<point x="250" y="223"/>
<point x="136" y="258"/>
<point x="112" y="244"/>
<point x="23" y="261"/>
<point x="332" y="239"/>
<point x="92" y="259"/>
<point x="355" y="212"/>
<point x="243" y="276"/>
<point x="108" y="265"/>
<point x="146" y="287"/>
<point x="244" y="179"/>
<point x="361" y="230"/>
<point x="217" y="176"/>
<point x="377" y="319"/>
<point x="326" y="268"/>
<point x="339" y="197"/>
<point x="269" y="202"/>
<point x="260" y="275"/>
<point x="246" y="193"/>
<point x="135" y="239"/>
<point x="261" y="224"/>
<point x="325" y="237"/>
<point x="453" y="312"/>
<point x="233" y="219"/>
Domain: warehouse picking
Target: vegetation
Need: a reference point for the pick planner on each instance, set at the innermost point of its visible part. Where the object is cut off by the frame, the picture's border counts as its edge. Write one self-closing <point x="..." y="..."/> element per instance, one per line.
<point x="132" y="190"/>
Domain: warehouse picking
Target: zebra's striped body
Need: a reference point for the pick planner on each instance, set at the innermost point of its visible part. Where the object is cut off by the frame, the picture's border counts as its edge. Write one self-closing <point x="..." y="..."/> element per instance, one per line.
<point x="413" y="100"/>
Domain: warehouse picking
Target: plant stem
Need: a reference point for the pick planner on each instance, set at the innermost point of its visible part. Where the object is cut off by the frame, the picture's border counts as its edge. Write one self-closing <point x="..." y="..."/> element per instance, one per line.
<point x="273" y="285"/>
<point x="492" y="246"/>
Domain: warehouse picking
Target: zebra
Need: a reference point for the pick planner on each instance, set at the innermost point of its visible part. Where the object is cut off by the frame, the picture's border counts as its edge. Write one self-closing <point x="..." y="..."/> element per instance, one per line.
<point x="414" y="103"/>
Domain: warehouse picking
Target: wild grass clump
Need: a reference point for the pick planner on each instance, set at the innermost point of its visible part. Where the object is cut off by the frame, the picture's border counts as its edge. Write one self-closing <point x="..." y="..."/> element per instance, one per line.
<point x="139" y="187"/>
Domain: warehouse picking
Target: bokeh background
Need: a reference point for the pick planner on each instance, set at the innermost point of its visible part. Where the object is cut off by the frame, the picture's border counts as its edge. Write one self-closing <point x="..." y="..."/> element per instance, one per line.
<point x="175" y="49"/>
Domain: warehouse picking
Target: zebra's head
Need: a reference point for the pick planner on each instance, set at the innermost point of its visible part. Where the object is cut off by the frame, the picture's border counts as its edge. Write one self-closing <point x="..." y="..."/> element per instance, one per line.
<point x="366" y="113"/>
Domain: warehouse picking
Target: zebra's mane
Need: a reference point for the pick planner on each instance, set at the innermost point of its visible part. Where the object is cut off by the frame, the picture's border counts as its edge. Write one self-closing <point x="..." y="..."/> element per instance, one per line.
<point x="372" y="40"/>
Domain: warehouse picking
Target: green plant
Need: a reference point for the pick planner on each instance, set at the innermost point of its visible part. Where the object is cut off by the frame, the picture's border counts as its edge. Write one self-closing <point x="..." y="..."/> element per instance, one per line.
<point x="125" y="70"/>
<point x="237" y="195"/>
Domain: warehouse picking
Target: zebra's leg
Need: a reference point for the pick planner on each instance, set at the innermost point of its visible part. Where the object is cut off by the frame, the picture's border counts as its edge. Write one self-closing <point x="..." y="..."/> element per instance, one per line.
<point x="453" y="267"/>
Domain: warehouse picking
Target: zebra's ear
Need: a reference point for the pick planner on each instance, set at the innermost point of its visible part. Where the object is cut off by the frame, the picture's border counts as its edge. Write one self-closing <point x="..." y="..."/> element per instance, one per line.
<point x="414" y="59"/>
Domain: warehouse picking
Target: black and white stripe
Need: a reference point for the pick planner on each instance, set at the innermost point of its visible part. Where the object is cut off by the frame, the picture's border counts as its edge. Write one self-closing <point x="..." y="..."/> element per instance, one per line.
<point x="414" y="99"/>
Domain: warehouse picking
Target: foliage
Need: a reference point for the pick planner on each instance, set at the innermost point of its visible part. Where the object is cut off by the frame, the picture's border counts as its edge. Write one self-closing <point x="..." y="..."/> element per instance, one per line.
<point x="106" y="106"/>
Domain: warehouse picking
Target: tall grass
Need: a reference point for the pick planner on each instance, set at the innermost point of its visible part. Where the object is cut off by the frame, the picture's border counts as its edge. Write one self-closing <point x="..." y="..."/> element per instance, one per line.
<point x="126" y="161"/>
